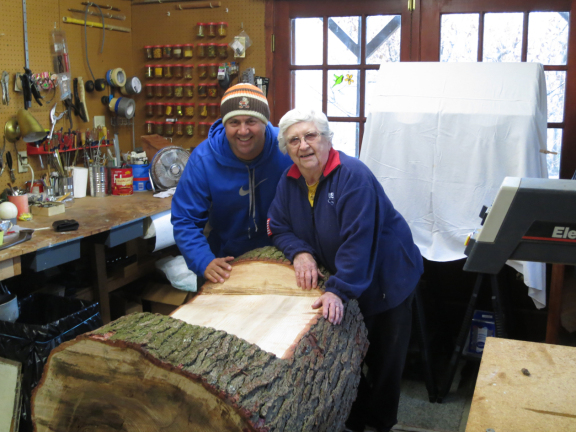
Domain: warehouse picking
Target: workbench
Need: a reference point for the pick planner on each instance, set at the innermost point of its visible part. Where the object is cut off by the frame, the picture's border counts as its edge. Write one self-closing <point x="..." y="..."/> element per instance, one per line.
<point x="540" y="398"/>
<point x="104" y="222"/>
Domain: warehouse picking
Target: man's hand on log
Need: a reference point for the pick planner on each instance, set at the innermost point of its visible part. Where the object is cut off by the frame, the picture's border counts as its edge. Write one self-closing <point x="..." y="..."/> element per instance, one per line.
<point x="218" y="269"/>
<point x="332" y="307"/>
<point x="306" y="271"/>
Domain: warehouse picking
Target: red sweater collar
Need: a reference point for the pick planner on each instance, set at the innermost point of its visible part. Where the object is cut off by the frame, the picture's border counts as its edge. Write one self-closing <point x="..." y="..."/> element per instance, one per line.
<point x="331" y="164"/>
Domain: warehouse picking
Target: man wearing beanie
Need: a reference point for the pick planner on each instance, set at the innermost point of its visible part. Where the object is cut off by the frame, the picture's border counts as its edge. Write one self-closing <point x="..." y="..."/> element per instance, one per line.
<point x="228" y="185"/>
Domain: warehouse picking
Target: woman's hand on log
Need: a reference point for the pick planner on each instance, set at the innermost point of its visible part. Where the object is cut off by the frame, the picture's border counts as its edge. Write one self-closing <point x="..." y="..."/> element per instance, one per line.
<point x="218" y="269"/>
<point x="332" y="307"/>
<point x="306" y="271"/>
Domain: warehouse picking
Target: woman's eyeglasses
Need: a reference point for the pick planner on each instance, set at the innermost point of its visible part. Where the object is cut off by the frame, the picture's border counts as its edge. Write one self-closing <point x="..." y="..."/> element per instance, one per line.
<point x="310" y="138"/>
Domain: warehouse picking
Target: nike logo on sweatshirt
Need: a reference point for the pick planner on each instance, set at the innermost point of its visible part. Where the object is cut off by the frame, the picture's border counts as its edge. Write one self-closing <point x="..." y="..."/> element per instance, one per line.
<point x="244" y="192"/>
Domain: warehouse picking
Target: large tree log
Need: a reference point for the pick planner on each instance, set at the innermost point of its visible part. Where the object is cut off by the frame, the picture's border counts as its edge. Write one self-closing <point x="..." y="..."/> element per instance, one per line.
<point x="147" y="372"/>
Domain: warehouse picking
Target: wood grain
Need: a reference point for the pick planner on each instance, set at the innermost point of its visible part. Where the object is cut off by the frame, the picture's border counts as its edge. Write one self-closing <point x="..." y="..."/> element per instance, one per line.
<point x="506" y="399"/>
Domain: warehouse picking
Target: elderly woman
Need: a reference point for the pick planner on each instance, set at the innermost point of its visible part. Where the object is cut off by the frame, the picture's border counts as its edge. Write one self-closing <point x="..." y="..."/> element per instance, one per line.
<point x="329" y="208"/>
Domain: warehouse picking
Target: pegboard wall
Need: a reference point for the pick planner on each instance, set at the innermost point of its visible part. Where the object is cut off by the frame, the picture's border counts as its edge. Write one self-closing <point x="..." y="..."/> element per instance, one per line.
<point x="153" y="24"/>
<point x="160" y="24"/>
<point x="42" y="17"/>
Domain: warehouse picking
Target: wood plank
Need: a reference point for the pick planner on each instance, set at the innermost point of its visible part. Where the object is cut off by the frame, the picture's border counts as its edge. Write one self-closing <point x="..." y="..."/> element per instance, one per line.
<point x="10" y="267"/>
<point x="273" y="322"/>
<point x="505" y="399"/>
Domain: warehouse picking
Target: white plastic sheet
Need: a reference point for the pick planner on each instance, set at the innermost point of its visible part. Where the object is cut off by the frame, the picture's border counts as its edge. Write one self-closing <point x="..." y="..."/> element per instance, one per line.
<point x="442" y="137"/>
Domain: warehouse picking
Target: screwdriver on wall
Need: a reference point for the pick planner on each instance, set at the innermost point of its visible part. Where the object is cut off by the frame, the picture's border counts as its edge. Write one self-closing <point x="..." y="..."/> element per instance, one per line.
<point x="9" y="163"/>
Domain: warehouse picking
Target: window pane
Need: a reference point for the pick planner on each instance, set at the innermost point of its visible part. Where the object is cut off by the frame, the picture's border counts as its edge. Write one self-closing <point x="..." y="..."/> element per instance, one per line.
<point x="502" y="37"/>
<point x="383" y="39"/>
<point x="343" y="94"/>
<point x="308" y="41"/>
<point x="555" y="89"/>
<point x="459" y="38"/>
<point x="344" y="40"/>
<point x="308" y="89"/>
<point x="548" y="37"/>
<point x="345" y="137"/>
<point x="371" y="76"/>
<point x="554" y="144"/>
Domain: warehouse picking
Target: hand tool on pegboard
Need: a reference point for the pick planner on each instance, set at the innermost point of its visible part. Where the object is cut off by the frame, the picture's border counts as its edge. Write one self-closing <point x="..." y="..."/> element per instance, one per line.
<point x="9" y="163"/>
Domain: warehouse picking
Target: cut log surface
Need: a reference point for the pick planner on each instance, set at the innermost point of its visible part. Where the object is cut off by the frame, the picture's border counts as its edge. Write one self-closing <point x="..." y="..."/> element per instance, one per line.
<point x="146" y="372"/>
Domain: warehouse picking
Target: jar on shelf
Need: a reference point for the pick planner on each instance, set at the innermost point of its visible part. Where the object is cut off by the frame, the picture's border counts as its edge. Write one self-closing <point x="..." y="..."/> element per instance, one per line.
<point x="177" y="70"/>
<point x="188" y="71"/>
<point x="189" y="90"/>
<point x="203" y="129"/>
<point x="168" y="71"/>
<point x="212" y="90"/>
<point x="188" y="51"/>
<point x="168" y="128"/>
<point x="158" y="90"/>
<point x="189" y="129"/>
<point x="213" y="70"/>
<point x="211" y="50"/>
<point x="149" y="125"/>
<point x="202" y="90"/>
<point x="201" y="50"/>
<point x="168" y="90"/>
<point x="169" y="109"/>
<point x="160" y="109"/>
<point x="209" y="125"/>
<point x="179" y="128"/>
<point x="150" y="109"/>
<point x="178" y="90"/>
<point x="189" y="109"/>
<point x="149" y="90"/>
<point x="202" y="110"/>
<point x="212" y="29"/>
<point x="222" y="29"/>
<point x="223" y="51"/>
<point x="167" y="51"/>
<point x="200" y="29"/>
<point x="158" y="71"/>
<point x="177" y="51"/>
<point x="202" y="70"/>
<point x="157" y="51"/>
<point x="213" y="110"/>
<point x="159" y="128"/>
<point x="148" y="51"/>
<point x="179" y="109"/>
<point x="149" y="71"/>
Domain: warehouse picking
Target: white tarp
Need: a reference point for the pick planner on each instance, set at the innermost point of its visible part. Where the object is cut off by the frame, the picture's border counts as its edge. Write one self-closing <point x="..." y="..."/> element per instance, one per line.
<point x="441" y="138"/>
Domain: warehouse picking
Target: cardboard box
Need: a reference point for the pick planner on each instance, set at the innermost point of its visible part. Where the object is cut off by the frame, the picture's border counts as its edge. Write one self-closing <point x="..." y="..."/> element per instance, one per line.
<point x="152" y="143"/>
<point x="164" y="298"/>
<point x="48" y="209"/>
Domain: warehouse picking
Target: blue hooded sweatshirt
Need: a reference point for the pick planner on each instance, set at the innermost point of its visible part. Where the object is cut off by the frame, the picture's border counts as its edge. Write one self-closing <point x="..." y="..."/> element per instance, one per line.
<point x="230" y="194"/>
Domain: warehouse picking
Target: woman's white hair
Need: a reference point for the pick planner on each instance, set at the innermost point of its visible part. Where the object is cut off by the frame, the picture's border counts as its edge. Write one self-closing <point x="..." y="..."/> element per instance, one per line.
<point x="299" y="116"/>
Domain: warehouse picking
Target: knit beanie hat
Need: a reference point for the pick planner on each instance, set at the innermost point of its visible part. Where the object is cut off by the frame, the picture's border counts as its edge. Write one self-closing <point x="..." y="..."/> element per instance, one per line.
<point x="244" y="99"/>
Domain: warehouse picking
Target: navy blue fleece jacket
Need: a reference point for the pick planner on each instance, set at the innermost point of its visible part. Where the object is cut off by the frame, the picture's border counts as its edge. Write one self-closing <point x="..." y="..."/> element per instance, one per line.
<point x="353" y="229"/>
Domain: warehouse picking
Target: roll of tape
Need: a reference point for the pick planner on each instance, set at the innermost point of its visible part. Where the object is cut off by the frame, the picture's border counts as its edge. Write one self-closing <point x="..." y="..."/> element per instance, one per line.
<point x="132" y="86"/>
<point x="116" y="77"/>
<point x="124" y="107"/>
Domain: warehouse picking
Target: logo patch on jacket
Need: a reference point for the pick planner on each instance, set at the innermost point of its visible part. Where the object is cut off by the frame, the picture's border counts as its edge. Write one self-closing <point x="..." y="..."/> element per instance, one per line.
<point x="268" y="230"/>
<point x="331" y="198"/>
<point x="244" y="103"/>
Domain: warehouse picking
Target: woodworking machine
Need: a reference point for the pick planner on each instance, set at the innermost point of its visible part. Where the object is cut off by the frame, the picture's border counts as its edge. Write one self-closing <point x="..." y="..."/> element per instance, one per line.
<point x="531" y="219"/>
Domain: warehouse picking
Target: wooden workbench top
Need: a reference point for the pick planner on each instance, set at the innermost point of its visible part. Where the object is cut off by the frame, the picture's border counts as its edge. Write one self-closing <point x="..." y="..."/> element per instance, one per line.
<point x="507" y="400"/>
<point x="94" y="215"/>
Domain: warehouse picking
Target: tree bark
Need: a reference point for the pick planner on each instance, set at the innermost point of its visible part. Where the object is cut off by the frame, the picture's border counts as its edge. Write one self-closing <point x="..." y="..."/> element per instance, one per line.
<point x="146" y="372"/>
